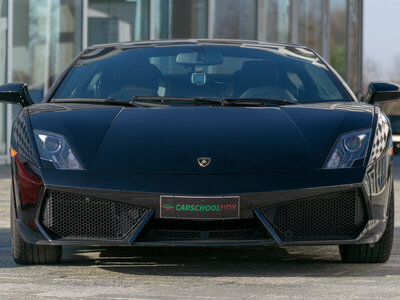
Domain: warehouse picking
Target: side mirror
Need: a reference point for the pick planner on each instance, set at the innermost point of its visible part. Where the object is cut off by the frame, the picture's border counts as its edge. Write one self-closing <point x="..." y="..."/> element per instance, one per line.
<point x="15" y="93"/>
<point x="381" y="91"/>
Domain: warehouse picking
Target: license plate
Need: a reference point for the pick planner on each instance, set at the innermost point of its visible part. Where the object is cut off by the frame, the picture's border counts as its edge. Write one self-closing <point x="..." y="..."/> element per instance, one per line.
<point x="189" y="207"/>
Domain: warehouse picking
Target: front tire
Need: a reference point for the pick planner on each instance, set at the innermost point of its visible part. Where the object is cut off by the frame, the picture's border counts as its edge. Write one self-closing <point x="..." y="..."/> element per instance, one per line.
<point x="30" y="254"/>
<point x="380" y="252"/>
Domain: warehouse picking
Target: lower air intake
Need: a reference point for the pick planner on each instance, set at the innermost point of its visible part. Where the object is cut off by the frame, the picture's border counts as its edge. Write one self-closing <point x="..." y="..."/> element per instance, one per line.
<point x="334" y="216"/>
<point x="217" y="235"/>
<point x="77" y="217"/>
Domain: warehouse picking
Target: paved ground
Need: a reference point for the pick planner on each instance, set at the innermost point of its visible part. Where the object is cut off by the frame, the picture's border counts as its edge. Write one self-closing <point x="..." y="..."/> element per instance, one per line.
<point x="190" y="273"/>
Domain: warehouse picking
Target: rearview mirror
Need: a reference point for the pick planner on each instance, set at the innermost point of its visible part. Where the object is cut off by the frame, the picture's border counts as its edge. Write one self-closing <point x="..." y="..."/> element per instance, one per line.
<point x="15" y="93"/>
<point x="381" y="91"/>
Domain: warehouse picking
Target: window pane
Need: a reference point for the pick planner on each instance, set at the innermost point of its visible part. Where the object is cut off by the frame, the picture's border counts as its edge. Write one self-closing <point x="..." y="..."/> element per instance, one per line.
<point x="3" y="74"/>
<point x="310" y="24"/>
<point x="118" y="21"/>
<point x="338" y="25"/>
<point x="234" y="19"/>
<point x="46" y="36"/>
<point x="275" y="20"/>
<point x="180" y="19"/>
<point x="352" y="68"/>
<point x="3" y="41"/>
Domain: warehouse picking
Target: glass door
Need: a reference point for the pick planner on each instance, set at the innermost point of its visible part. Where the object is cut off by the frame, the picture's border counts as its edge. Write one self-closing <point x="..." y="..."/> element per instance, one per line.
<point x="47" y="34"/>
<point x="117" y="21"/>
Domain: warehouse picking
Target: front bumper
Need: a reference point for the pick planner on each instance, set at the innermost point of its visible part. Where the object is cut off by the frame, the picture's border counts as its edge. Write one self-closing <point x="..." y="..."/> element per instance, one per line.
<point x="258" y="192"/>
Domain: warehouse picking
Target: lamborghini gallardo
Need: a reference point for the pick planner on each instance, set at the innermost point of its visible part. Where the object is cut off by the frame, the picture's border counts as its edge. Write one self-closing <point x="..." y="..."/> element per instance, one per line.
<point x="201" y="143"/>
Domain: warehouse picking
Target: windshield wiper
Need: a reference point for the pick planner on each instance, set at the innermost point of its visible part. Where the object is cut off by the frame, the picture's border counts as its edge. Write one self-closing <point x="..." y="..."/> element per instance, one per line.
<point x="159" y="99"/>
<point x="256" y="101"/>
<point x="146" y="100"/>
<point x="108" y="100"/>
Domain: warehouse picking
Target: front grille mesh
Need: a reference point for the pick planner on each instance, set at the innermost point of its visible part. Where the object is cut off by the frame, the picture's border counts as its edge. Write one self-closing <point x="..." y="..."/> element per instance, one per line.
<point x="340" y="215"/>
<point x="165" y="235"/>
<point x="76" y="217"/>
<point x="199" y="235"/>
<point x="237" y="235"/>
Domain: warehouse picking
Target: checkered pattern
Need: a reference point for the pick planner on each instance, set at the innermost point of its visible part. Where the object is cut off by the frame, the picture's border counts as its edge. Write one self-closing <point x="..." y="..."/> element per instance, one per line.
<point x="21" y="140"/>
<point x="381" y="137"/>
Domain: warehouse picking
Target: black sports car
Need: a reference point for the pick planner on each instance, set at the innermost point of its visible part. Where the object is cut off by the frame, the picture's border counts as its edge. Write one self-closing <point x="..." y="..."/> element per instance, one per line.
<point x="201" y="142"/>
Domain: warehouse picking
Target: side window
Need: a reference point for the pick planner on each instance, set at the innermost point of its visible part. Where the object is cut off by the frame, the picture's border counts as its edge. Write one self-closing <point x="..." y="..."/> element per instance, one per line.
<point x="92" y="84"/>
<point x="167" y="65"/>
<point x="325" y="85"/>
<point x="295" y="79"/>
<point x="229" y="66"/>
<point x="297" y="82"/>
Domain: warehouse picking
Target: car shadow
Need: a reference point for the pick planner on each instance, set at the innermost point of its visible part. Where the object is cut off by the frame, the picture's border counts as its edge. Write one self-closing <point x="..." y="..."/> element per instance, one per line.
<point x="300" y="261"/>
<point x="315" y="261"/>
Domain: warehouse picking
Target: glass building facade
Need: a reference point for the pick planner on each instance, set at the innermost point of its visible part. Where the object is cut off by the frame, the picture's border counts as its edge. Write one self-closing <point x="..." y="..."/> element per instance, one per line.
<point x="38" y="38"/>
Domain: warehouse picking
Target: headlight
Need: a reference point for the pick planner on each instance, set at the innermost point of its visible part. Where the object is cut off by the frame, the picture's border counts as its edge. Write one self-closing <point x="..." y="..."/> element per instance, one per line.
<point x="349" y="148"/>
<point x="55" y="149"/>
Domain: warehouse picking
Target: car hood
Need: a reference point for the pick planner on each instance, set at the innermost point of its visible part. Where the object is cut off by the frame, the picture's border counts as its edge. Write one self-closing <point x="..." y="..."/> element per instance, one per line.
<point x="171" y="139"/>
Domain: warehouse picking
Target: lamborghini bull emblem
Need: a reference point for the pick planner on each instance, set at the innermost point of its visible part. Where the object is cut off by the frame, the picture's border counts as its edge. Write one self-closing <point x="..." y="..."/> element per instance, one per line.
<point x="204" y="161"/>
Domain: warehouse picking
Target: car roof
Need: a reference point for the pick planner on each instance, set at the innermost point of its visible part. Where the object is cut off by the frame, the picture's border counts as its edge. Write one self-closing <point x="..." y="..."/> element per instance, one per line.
<point x="177" y="42"/>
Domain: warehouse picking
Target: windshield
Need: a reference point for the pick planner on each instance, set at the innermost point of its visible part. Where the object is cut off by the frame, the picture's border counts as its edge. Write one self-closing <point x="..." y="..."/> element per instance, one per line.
<point x="202" y="71"/>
